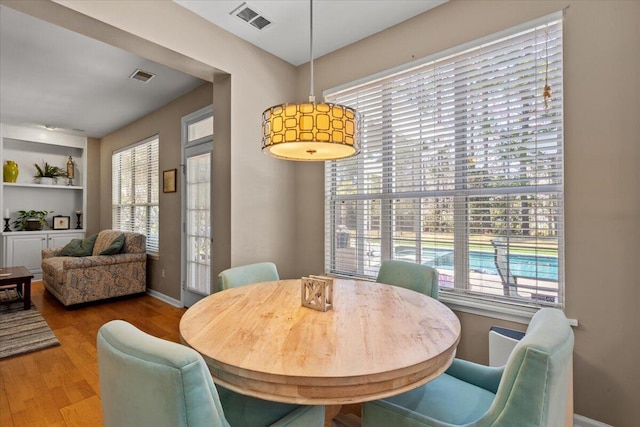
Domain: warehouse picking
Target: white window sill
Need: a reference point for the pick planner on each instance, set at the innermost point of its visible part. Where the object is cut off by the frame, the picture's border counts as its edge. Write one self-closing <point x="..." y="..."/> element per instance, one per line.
<point x="494" y="309"/>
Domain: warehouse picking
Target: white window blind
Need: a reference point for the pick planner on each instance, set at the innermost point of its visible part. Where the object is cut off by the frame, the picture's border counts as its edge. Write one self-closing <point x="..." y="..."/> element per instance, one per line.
<point x="135" y="193"/>
<point x="461" y="169"/>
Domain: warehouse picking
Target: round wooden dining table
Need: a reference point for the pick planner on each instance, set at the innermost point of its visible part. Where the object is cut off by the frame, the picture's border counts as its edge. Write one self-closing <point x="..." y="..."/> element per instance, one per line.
<point x="377" y="341"/>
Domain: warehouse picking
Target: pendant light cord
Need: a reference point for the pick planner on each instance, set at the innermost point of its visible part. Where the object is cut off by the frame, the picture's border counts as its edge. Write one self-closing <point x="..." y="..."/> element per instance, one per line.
<point x="312" y="97"/>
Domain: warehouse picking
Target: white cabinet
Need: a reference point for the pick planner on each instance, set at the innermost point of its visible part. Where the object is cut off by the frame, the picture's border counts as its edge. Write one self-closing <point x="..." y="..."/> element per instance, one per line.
<point x="24" y="248"/>
<point x="27" y="147"/>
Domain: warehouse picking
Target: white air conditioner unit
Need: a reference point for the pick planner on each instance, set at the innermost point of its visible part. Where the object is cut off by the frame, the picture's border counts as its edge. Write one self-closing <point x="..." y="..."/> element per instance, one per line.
<point x="501" y="343"/>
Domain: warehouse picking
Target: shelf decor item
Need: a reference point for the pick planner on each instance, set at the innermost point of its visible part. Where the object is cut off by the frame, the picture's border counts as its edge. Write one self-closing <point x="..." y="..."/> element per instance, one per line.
<point x="71" y="171"/>
<point x="79" y="220"/>
<point x="61" y="222"/>
<point x="10" y="171"/>
<point x="48" y="174"/>
<point x="31" y="220"/>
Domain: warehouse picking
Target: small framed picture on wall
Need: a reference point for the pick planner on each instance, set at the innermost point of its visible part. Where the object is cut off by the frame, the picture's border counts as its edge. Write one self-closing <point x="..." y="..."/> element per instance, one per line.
<point x="169" y="181"/>
<point x="61" y="222"/>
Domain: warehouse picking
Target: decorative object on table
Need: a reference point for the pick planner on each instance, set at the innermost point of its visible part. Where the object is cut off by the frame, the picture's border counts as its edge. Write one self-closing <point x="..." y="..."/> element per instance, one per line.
<point x="10" y="171"/>
<point x="61" y="222"/>
<point x="71" y="171"/>
<point x="317" y="292"/>
<point x="78" y="220"/>
<point x="31" y="220"/>
<point x="169" y="181"/>
<point x="48" y="174"/>
<point x="310" y="131"/>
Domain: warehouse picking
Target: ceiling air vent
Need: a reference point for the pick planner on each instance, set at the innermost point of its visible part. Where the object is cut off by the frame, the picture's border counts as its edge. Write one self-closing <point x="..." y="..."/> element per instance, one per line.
<point x="143" y="76"/>
<point x="251" y="16"/>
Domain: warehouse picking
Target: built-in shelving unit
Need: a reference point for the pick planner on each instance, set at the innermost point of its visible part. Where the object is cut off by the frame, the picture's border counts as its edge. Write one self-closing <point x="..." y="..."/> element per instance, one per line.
<point x="27" y="147"/>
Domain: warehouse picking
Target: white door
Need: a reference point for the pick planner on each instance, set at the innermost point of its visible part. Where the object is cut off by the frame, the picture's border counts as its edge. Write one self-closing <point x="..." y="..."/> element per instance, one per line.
<point x="196" y="205"/>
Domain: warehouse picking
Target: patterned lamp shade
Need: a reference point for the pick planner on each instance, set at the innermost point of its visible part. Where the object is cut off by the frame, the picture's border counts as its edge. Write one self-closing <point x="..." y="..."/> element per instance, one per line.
<point x="310" y="131"/>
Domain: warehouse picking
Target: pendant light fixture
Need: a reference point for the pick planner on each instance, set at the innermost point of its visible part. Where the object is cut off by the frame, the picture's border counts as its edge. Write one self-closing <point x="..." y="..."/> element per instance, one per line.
<point x="310" y="131"/>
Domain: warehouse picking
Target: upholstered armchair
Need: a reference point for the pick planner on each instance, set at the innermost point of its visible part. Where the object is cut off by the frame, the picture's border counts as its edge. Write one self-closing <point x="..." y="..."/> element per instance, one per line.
<point x="78" y="279"/>
<point x="246" y="274"/>
<point x="531" y="390"/>
<point x="147" y="381"/>
<point x="409" y="275"/>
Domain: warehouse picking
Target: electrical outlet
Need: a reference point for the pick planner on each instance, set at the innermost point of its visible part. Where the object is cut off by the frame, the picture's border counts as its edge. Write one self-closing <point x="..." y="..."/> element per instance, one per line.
<point x="162" y="274"/>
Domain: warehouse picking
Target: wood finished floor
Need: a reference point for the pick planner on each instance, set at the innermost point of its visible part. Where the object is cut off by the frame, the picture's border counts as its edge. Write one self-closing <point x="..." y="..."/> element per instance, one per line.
<point x="59" y="386"/>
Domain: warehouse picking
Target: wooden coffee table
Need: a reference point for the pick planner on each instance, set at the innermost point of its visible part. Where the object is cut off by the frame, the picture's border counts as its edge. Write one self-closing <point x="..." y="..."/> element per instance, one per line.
<point x="20" y="278"/>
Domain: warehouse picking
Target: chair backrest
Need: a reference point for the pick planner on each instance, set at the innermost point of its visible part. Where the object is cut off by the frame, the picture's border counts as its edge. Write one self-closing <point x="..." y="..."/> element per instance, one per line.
<point x="534" y="387"/>
<point x="246" y="274"/>
<point x="420" y="278"/>
<point x="147" y="381"/>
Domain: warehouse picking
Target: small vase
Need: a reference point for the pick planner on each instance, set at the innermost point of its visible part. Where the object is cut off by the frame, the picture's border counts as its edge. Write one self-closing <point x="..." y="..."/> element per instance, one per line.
<point x="10" y="171"/>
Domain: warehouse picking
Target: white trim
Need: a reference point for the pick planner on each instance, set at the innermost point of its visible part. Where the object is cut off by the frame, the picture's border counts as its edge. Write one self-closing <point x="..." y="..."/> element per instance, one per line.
<point x="162" y="297"/>
<point x="493" y="309"/>
<point x="580" y="421"/>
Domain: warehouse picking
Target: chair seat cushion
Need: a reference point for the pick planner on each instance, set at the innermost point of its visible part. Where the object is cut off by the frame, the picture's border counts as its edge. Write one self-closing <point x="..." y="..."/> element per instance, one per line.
<point x="446" y="399"/>
<point x="241" y="410"/>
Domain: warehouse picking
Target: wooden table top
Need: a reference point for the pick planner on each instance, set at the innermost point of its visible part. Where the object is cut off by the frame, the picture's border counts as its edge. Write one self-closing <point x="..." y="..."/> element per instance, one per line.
<point x="377" y="341"/>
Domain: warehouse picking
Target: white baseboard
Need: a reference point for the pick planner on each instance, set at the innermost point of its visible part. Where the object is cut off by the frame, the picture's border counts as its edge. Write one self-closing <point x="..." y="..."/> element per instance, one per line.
<point x="162" y="297"/>
<point x="580" y="421"/>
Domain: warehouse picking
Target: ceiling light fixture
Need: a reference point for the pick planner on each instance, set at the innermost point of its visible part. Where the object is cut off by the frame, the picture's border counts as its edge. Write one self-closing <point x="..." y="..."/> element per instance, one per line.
<point x="310" y="131"/>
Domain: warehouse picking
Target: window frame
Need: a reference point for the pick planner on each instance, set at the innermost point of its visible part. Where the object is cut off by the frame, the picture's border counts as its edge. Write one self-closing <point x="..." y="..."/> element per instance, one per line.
<point x="512" y="310"/>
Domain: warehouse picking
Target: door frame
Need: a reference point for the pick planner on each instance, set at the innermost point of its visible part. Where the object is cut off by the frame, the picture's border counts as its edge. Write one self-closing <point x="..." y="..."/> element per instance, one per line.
<point x="187" y="297"/>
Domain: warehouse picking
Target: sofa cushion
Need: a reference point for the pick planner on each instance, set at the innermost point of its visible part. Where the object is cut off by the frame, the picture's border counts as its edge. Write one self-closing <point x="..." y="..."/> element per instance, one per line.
<point x="79" y="247"/>
<point x="114" y="247"/>
<point x="104" y="240"/>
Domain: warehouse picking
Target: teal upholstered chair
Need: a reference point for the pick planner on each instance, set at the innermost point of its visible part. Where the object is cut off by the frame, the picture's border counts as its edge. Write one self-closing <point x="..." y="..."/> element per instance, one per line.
<point x="530" y="390"/>
<point x="410" y="275"/>
<point x="147" y="381"/>
<point x="246" y="274"/>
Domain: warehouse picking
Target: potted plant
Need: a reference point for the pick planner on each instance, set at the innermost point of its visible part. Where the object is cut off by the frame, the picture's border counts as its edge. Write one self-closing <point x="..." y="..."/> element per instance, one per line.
<point x="31" y="220"/>
<point x="48" y="174"/>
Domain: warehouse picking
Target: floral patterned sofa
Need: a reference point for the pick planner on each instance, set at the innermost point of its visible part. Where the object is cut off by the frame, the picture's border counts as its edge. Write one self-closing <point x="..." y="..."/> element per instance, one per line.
<point x="75" y="280"/>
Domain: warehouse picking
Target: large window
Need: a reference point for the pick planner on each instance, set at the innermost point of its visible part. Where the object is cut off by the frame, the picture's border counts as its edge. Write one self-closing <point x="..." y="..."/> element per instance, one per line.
<point x="134" y="172"/>
<point x="461" y="169"/>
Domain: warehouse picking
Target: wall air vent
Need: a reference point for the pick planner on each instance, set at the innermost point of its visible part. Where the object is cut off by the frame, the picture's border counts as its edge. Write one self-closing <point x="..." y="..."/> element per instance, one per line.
<point x="251" y="16"/>
<point x="143" y="76"/>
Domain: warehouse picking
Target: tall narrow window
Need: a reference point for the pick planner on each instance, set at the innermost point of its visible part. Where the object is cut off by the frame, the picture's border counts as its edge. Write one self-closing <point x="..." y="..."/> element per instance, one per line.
<point x="461" y="169"/>
<point x="135" y="206"/>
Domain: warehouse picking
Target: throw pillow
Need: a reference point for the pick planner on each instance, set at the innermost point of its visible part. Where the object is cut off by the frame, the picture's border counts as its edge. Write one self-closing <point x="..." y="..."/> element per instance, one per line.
<point x="114" y="247"/>
<point x="79" y="247"/>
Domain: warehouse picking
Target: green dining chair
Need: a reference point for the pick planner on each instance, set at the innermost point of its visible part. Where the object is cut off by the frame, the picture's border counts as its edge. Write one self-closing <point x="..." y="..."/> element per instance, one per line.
<point x="419" y="278"/>
<point x="147" y="381"/>
<point x="531" y="390"/>
<point x="247" y="274"/>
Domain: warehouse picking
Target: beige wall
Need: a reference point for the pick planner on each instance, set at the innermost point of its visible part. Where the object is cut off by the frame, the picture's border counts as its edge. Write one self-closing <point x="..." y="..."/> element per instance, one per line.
<point x="602" y="178"/>
<point x="166" y="123"/>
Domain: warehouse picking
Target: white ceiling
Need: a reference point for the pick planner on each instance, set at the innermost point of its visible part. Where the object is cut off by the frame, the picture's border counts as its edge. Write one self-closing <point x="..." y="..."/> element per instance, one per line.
<point x="336" y="23"/>
<point x="52" y="76"/>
